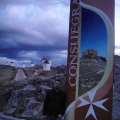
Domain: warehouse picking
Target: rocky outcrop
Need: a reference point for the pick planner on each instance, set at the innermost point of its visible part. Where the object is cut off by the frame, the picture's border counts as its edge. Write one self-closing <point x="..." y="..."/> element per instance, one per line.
<point x="24" y="101"/>
<point x="17" y="99"/>
<point x="32" y="108"/>
<point x="4" y="97"/>
<point x="116" y="94"/>
<point x="25" y="98"/>
<point x="91" y="72"/>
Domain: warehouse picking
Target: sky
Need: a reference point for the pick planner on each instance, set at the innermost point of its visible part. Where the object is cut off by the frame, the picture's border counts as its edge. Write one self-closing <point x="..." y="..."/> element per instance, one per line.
<point x="32" y="29"/>
<point x="90" y="37"/>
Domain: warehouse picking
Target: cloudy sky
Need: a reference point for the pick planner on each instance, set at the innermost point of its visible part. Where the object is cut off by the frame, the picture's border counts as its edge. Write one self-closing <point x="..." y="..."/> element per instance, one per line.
<point x="31" y="29"/>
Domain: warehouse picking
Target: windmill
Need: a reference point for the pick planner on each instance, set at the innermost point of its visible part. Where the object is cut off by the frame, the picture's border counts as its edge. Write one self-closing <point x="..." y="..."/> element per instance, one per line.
<point x="12" y="63"/>
<point x="46" y="63"/>
<point x="32" y="64"/>
<point x="6" y="63"/>
<point x="23" y="65"/>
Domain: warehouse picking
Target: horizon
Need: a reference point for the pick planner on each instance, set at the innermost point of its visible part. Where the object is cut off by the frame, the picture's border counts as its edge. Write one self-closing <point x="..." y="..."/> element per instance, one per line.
<point x="31" y="29"/>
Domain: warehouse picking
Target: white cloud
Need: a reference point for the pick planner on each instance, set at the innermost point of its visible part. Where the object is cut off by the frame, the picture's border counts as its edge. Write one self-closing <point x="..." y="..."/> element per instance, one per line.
<point x="3" y="61"/>
<point x="60" y="54"/>
<point x="57" y="57"/>
<point x="117" y="51"/>
<point x="117" y="22"/>
<point x="29" y="54"/>
<point x="117" y="26"/>
<point x="117" y="31"/>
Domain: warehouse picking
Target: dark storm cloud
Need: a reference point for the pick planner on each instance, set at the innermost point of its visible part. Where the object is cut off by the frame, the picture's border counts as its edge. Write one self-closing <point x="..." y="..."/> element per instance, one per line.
<point x="31" y="29"/>
<point x="29" y="32"/>
<point x="8" y="48"/>
<point x="28" y="23"/>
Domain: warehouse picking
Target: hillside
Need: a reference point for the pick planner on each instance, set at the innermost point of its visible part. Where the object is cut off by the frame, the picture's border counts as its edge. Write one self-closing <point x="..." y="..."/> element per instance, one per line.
<point x="7" y="74"/>
<point x="38" y="72"/>
<point x="91" y="72"/>
<point x="25" y="98"/>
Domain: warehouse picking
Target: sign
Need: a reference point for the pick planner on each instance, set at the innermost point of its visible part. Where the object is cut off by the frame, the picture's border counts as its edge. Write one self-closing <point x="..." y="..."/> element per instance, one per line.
<point x="90" y="60"/>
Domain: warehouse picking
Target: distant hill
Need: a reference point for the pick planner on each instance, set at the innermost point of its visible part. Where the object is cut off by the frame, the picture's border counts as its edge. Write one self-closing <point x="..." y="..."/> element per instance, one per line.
<point x="7" y="74"/>
<point x="38" y="72"/>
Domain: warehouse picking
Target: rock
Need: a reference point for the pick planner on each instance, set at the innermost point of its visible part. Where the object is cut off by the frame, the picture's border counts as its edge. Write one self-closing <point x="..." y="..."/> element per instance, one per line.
<point x="25" y="98"/>
<point x="32" y="107"/>
<point x="16" y="102"/>
<point x="42" y="90"/>
<point x="4" y="97"/>
<point x="116" y="94"/>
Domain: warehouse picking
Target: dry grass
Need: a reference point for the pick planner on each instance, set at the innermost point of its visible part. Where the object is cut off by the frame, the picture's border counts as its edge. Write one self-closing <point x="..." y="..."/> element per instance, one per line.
<point x="7" y="74"/>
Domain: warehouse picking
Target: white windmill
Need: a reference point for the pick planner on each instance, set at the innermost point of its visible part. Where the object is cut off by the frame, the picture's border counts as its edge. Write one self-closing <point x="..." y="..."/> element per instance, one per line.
<point x="32" y="64"/>
<point x="46" y="63"/>
<point x="23" y="65"/>
<point x="6" y="63"/>
<point x="12" y="63"/>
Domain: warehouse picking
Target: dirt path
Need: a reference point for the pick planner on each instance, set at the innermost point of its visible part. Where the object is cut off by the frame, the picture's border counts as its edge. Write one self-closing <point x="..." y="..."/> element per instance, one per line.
<point x="20" y="75"/>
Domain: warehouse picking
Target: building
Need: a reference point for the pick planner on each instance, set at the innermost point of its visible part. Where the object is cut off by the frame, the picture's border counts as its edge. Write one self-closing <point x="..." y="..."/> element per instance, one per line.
<point x="89" y="52"/>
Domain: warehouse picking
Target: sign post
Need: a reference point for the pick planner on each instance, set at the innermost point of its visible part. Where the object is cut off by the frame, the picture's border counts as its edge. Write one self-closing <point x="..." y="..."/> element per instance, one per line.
<point x="90" y="60"/>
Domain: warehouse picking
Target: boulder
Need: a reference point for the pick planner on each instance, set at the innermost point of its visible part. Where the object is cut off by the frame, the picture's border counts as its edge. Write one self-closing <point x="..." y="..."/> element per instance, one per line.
<point x="32" y="107"/>
<point x="4" y="96"/>
<point x="16" y="102"/>
<point x="42" y="90"/>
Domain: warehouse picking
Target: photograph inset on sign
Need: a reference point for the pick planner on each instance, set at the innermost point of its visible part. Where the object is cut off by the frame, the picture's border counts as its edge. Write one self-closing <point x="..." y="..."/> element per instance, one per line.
<point x="93" y="51"/>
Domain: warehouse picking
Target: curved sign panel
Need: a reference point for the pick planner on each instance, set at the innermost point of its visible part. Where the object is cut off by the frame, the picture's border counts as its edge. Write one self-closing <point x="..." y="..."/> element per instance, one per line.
<point x="90" y="60"/>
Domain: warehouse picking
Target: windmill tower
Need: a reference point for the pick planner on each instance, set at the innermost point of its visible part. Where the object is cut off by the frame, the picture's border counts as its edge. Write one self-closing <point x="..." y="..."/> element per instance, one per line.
<point x="23" y="65"/>
<point x="12" y="63"/>
<point x="46" y="64"/>
<point x="32" y="64"/>
<point x="6" y="63"/>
